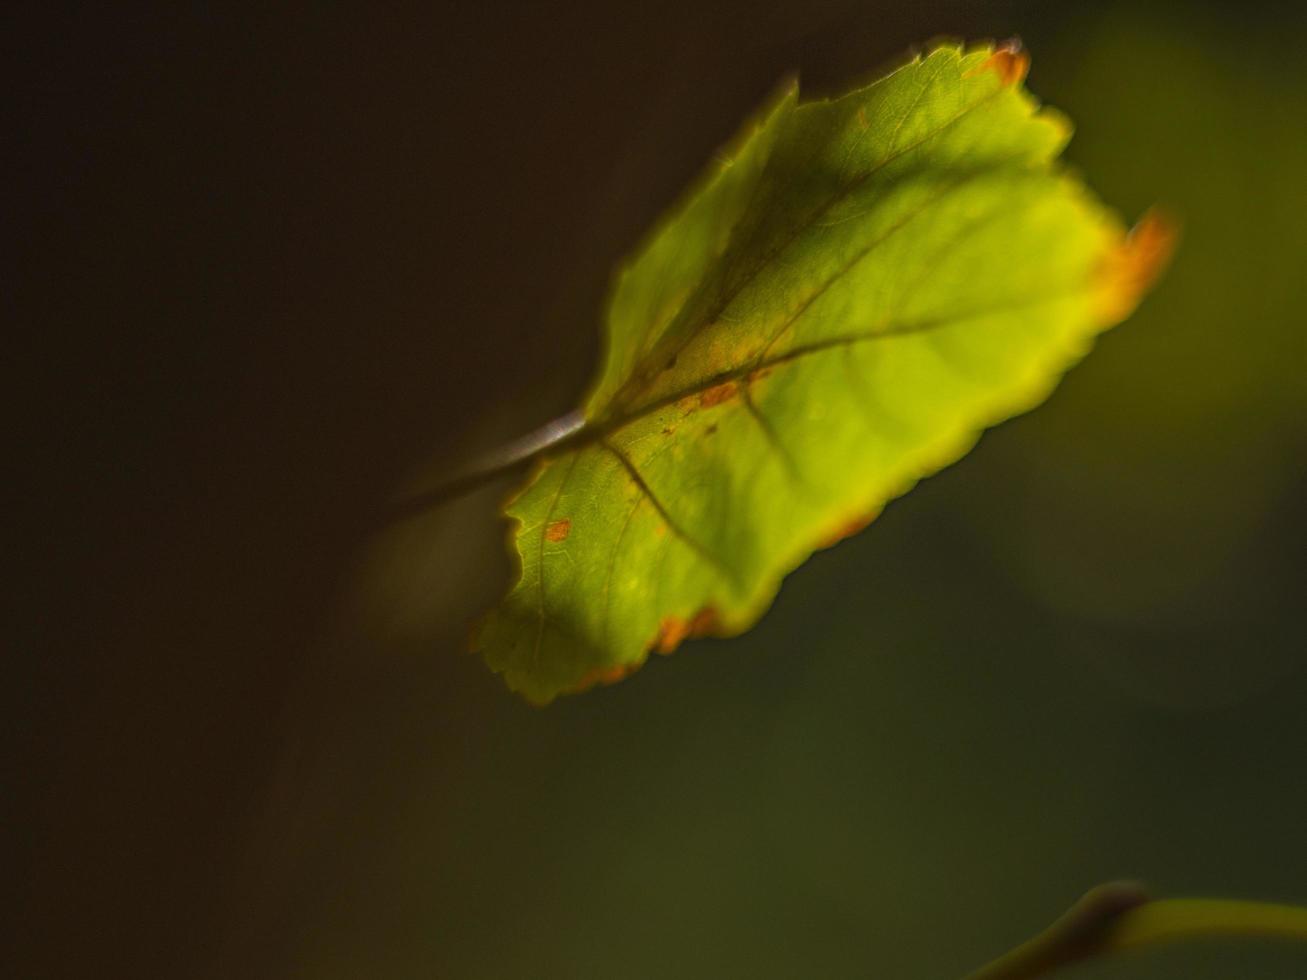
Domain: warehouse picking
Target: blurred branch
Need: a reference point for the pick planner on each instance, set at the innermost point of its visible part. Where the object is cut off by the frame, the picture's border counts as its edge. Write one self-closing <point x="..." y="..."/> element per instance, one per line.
<point x="1119" y="916"/>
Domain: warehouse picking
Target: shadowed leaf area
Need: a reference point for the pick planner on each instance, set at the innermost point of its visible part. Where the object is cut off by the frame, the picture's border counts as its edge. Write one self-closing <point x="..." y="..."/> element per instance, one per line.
<point x="858" y="289"/>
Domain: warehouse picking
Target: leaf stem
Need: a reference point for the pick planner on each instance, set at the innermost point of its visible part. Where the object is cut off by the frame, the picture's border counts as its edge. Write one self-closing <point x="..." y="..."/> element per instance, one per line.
<point x="500" y="462"/>
<point x="1119" y="917"/>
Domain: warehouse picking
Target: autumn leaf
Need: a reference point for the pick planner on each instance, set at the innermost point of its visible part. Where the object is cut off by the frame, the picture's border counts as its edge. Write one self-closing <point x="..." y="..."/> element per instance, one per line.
<point x="859" y="288"/>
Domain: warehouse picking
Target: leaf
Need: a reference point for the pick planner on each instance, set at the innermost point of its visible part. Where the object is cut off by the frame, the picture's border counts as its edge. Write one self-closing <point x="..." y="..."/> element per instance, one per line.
<point x="859" y="288"/>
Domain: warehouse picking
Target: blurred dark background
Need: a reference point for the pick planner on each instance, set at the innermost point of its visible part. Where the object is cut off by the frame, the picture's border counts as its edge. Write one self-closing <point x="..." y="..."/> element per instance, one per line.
<point x="271" y="266"/>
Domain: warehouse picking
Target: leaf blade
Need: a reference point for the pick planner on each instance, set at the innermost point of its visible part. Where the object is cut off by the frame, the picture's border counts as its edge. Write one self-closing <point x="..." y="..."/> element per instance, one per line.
<point x="836" y="314"/>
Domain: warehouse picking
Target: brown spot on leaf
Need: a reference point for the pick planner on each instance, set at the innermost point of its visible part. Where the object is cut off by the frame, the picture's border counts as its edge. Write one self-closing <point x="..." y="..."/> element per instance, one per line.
<point x="1008" y="62"/>
<point x="706" y="620"/>
<point x="1133" y="264"/>
<point x="558" y="530"/>
<point x="846" y="528"/>
<point x="673" y="630"/>
<point x="711" y="429"/>
<point x="718" y="394"/>
<point x="862" y="119"/>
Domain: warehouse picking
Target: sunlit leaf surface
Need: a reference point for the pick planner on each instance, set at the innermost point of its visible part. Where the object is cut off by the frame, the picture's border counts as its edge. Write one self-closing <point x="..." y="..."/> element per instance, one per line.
<point x="856" y="291"/>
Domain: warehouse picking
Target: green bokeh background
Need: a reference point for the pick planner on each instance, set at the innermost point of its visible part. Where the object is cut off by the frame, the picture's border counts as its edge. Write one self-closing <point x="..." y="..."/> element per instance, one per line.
<point x="1077" y="655"/>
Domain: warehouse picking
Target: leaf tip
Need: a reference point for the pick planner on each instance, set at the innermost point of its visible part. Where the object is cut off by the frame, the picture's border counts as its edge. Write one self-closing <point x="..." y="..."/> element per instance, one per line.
<point x="1134" y="263"/>
<point x="1009" y="62"/>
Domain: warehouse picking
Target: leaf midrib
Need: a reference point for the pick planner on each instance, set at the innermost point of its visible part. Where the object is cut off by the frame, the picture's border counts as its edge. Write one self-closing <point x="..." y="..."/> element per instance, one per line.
<point x="592" y="433"/>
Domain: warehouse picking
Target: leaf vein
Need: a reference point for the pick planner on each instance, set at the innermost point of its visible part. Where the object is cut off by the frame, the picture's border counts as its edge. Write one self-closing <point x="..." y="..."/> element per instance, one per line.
<point x="698" y="547"/>
<point x="866" y="251"/>
<point x="772" y="437"/>
<point x="642" y="383"/>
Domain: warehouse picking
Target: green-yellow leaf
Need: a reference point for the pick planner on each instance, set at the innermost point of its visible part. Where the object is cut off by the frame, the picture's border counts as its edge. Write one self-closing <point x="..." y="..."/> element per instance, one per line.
<point x="845" y="302"/>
